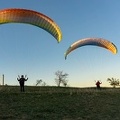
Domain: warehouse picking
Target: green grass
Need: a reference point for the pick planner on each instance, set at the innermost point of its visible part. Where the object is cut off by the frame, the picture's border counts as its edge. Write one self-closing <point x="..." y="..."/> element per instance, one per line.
<point x="53" y="103"/>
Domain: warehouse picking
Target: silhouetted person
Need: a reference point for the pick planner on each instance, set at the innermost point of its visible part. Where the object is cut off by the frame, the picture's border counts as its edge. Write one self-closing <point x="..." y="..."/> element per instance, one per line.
<point x="98" y="84"/>
<point x="22" y="82"/>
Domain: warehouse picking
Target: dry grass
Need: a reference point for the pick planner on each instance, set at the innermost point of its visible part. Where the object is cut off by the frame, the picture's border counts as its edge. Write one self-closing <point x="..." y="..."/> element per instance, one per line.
<point x="52" y="103"/>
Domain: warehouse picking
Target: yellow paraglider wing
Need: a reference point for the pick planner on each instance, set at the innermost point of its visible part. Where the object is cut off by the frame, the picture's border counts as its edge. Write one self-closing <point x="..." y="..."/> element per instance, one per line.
<point x="15" y="15"/>
<point x="92" y="41"/>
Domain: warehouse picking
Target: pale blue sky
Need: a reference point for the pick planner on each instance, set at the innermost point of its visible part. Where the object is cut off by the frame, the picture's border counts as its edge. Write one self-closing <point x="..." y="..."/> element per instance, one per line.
<point x="26" y="49"/>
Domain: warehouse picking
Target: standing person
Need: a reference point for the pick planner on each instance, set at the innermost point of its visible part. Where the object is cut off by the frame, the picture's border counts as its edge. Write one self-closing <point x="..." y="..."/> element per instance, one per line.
<point x="22" y="82"/>
<point x="98" y="84"/>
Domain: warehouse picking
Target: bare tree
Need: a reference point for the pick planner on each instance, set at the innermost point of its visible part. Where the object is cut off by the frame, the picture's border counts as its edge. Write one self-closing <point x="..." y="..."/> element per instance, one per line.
<point x="61" y="78"/>
<point x="113" y="82"/>
<point x="38" y="82"/>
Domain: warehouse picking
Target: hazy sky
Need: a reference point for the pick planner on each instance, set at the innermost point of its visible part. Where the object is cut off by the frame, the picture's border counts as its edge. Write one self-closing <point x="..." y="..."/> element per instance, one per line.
<point x="26" y="49"/>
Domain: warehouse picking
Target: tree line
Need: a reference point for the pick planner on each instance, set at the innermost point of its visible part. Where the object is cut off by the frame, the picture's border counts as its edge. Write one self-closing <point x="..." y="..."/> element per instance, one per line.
<point x="61" y="79"/>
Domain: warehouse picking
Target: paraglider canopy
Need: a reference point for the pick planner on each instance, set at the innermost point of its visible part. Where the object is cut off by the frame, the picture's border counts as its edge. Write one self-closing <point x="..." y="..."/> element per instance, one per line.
<point x="16" y="15"/>
<point x="100" y="42"/>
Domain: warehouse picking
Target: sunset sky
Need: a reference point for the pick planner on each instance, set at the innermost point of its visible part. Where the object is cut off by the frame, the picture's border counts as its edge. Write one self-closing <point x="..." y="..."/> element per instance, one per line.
<point x="29" y="50"/>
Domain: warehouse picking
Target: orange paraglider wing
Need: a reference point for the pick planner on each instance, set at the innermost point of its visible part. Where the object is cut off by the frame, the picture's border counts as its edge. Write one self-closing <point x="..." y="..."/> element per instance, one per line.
<point x="15" y="15"/>
<point x="100" y="42"/>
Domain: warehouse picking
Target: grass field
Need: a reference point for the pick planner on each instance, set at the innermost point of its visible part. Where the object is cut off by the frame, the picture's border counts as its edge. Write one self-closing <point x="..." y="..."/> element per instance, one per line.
<point x="53" y="103"/>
